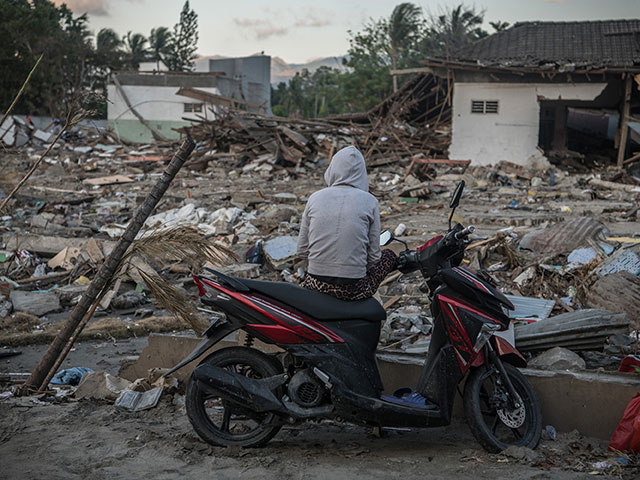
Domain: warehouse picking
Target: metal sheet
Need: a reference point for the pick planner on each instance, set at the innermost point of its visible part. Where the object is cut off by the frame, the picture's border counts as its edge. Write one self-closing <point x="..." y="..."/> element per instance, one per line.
<point x="565" y="236"/>
<point x="530" y="308"/>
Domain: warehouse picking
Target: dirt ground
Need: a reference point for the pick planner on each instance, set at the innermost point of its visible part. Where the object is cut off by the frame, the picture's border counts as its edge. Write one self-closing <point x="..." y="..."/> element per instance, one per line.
<point x="88" y="440"/>
<point x="92" y="440"/>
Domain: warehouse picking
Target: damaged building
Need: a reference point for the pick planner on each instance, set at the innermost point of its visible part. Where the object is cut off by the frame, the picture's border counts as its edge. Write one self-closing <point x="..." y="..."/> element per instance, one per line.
<point x="152" y="105"/>
<point x="543" y="91"/>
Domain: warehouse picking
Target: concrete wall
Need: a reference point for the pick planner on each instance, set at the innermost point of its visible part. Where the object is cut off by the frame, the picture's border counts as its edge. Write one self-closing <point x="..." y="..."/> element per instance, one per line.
<point x="512" y="133"/>
<point x="254" y="75"/>
<point x="592" y="403"/>
<point x="159" y="105"/>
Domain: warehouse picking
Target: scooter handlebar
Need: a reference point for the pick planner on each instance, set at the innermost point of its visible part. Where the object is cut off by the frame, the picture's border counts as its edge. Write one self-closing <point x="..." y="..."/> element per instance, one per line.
<point x="465" y="232"/>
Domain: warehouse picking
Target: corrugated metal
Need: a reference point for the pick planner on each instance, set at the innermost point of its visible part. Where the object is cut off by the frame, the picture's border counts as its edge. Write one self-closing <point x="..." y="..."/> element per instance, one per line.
<point x="564" y="237"/>
<point x="527" y="307"/>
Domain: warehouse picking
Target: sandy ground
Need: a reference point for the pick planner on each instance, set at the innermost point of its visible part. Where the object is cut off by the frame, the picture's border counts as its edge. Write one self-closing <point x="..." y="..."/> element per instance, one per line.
<point x="87" y="440"/>
<point x="92" y="440"/>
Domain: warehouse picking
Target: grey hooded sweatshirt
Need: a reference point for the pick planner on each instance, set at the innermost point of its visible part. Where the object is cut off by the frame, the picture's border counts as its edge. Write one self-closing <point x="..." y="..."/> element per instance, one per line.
<point x="340" y="228"/>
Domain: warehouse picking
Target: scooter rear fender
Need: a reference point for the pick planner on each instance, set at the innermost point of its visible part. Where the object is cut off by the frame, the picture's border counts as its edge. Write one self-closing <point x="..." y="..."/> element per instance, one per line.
<point x="213" y="335"/>
<point x="505" y="351"/>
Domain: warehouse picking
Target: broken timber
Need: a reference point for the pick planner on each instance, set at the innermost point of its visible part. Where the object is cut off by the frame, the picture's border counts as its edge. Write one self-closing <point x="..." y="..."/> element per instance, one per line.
<point x="107" y="270"/>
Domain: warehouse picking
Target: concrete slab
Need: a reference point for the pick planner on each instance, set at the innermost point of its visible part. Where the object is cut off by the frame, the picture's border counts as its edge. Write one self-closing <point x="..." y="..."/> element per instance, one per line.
<point x="589" y="402"/>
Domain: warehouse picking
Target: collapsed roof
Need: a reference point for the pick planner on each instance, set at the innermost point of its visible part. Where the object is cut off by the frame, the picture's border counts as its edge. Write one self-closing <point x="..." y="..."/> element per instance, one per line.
<point x="561" y="46"/>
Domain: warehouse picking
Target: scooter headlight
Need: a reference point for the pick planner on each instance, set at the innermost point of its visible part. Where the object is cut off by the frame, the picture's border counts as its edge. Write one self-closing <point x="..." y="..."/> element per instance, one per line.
<point x="486" y="331"/>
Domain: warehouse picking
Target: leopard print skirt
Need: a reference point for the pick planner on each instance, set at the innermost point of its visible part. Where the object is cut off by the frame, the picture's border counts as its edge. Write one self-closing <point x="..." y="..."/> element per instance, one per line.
<point x="363" y="288"/>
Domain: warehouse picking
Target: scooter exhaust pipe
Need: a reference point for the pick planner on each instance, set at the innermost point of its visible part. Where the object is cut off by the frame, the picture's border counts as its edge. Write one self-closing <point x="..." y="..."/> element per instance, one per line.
<point x="255" y="394"/>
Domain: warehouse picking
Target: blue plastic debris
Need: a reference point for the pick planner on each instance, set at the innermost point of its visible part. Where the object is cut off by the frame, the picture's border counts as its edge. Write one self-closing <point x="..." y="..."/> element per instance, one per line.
<point x="70" y="376"/>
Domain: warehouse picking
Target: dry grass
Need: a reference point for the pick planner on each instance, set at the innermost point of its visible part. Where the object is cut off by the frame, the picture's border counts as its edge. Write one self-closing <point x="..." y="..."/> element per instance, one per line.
<point x="102" y="329"/>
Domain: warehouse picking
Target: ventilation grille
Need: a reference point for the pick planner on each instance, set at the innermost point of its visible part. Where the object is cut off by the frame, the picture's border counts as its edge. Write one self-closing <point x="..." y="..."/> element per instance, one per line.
<point x="484" y="106"/>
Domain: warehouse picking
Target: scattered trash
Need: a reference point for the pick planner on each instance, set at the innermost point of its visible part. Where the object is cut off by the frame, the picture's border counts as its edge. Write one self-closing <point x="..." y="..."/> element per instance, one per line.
<point x="137" y="401"/>
<point x="70" y="376"/>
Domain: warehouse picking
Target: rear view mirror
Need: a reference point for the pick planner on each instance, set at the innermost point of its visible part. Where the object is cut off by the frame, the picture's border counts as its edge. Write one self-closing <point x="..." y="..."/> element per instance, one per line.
<point x="385" y="238"/>
<point x="457" y="194"/>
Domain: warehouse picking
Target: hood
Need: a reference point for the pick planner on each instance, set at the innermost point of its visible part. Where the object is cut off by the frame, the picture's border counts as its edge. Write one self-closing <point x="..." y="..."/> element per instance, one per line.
<point x="347" y="168"/>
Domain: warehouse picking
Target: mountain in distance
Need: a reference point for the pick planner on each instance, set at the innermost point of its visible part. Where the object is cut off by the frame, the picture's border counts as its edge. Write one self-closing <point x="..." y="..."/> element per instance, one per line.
<point x="282" y="71"/>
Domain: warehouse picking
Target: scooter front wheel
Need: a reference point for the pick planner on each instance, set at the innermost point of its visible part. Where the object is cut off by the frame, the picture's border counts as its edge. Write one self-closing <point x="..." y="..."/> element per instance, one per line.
<point x="218" y="421"/>
<point x="491" y="417"/>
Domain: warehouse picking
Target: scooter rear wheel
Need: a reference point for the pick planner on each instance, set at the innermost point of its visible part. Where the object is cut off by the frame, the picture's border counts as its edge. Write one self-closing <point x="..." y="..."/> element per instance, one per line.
<point x="495" y="425"/>
<point x="222" y="423"/>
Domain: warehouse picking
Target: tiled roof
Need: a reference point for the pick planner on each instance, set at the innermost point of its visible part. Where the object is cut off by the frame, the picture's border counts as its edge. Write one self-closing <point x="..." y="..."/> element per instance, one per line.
<point x="559" y="45"/>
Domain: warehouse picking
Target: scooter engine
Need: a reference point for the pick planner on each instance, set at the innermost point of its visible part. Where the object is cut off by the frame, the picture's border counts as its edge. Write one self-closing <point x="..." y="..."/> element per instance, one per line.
<point x="306" y="389"/>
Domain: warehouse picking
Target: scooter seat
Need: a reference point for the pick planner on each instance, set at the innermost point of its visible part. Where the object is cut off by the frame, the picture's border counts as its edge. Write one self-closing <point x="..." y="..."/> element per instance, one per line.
<point x="319" y="305"/>
<point x="315" y="304"/>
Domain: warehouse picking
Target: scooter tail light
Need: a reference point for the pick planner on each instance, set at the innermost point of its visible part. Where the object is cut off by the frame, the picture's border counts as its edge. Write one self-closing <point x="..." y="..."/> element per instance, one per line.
<point x="486" y="332"/>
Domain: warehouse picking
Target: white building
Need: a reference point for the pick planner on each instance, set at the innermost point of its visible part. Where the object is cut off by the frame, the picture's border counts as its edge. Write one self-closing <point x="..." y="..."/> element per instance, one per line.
<point x="153" y="105"/>
<point x="512" y="91"/>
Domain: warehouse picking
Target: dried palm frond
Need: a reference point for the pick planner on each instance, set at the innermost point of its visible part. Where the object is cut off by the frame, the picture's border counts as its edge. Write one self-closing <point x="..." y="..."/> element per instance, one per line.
<point x="183" y="243"/>
<point x="174" y="300"/>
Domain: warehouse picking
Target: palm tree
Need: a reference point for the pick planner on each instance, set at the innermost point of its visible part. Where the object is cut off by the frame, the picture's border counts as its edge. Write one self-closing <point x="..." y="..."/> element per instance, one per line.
<point x="136" y="50"/>
<point x="455" y="28"/>
<point x="404" y="25"/>
<point x="107" y="40"/>
<point x="499" y="26"/>
<point x="159" y="42"/>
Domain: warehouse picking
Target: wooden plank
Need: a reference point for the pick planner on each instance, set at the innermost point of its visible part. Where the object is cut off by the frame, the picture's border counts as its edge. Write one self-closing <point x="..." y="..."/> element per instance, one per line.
<point x="108" y="180"/>
<point x="407" y="71"/>
<point x="624" y="127"/>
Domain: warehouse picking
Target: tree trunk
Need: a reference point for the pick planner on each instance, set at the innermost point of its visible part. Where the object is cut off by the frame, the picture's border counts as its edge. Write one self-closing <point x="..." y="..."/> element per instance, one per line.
<point x="108" y="269"/>
<point x="394" y="63"/>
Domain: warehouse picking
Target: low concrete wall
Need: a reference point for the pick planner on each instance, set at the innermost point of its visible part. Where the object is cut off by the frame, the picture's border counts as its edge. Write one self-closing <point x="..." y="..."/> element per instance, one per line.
<point x="591" y="403"/>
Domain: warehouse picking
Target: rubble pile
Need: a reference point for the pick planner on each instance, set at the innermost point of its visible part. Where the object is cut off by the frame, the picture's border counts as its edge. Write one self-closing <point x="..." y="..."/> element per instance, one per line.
<point x="556" y="243"/>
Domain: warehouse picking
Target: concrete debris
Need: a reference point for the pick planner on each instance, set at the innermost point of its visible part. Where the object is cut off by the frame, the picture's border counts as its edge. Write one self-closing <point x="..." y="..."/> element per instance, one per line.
<point x="540" y="232"/>
<point x="618" y="292"/>
<point x="405" y="322"/>
<point x="242" y="270"/>
<point x="558" y="358"/>
<point x="34" y="303"/>
<point x="100" y="386"/>
<point x="280" y="251"/>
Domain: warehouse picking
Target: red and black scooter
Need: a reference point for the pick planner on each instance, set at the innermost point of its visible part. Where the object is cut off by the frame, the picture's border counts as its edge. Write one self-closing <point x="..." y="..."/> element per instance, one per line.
<point x="327" y="367"/>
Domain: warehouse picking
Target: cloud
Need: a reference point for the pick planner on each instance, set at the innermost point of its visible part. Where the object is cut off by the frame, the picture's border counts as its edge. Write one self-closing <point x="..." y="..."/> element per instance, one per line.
<point x="554" y="1"/>
<point x="271" y="24"/>
<point x="314" y="18"/>
<point x="93" y="7"/>
<point x="262" y="28"/>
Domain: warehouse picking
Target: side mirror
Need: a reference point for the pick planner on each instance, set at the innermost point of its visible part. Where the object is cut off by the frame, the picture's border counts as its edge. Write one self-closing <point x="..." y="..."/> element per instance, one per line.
<point x="457" y="194"/>
<point x="385" y="238"/>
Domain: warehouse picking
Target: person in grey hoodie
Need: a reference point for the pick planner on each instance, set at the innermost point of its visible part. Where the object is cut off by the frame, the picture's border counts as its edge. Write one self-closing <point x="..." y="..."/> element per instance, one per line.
<point x="340" y="233"/>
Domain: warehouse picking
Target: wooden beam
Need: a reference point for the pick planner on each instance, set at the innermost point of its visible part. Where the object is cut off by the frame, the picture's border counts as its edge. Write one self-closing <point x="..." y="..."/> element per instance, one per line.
<point x="407" y="71"/>
<point x="440" y="161"/>
<point x="215" y="99"/>
<point x="624" y="128"/>
<point x="632" y="159"/>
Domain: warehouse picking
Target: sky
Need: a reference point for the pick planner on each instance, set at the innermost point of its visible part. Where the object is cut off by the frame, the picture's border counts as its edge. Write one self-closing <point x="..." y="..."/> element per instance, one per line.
<point x="299" y="31"/>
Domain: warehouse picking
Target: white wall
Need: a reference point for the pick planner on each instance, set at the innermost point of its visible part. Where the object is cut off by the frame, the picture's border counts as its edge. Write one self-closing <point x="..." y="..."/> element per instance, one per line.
<point x="152" y="102"/>
<point x="512" y="133"/>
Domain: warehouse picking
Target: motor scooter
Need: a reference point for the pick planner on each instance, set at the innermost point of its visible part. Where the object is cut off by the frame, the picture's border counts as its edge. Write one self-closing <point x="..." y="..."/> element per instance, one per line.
<point x="326" y="366"/>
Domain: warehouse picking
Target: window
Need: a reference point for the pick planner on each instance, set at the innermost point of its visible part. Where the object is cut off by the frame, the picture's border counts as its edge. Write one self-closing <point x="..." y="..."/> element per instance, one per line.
<point x="484" y="106"/>
<point x="192" y="108"/>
